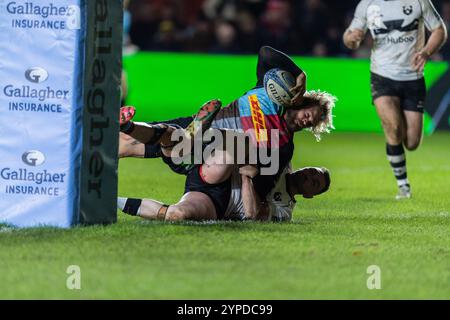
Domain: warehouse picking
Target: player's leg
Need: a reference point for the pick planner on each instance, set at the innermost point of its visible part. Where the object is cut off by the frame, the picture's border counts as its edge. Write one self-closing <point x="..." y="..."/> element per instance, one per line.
<point x="414" y="130"/>
<point x="130" y="147"/>
<point x="161" y="133"/>
<point x="143" y="132"/>
<point x="391" y="116"/>
<point x="202" y="201"/>
<point x="192" y="206"/>
<point x="413" y="108"/>
<point x="386" y="95"/>
<point x="235" y="150"/>
<point x="389" y="111"/>
<point x="215" y="169"/>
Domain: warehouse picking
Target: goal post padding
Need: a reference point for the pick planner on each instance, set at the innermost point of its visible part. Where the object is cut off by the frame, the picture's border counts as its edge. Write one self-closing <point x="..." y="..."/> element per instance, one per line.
<point x="60" y="71"/>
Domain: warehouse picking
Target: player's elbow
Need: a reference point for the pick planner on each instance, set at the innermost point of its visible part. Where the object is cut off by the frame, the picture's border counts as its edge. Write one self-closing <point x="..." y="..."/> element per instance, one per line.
<point x="265" y="51"/>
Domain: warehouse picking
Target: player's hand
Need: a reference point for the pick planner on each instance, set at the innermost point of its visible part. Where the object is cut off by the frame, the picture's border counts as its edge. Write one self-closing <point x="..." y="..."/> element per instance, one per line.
<point x="299" y="89"/>
<point x="356" y="35"/>
<point x="419" y="60"/>
<point x="248" y="170"/>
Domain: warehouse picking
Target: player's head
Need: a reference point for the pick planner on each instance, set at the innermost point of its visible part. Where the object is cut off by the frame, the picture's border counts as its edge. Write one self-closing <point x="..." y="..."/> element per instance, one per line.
<point x="309" y="182"/>
<point x="315" y="113"/>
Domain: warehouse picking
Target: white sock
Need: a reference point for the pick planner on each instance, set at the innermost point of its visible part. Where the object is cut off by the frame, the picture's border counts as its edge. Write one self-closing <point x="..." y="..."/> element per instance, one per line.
<point x="121" y="203"/>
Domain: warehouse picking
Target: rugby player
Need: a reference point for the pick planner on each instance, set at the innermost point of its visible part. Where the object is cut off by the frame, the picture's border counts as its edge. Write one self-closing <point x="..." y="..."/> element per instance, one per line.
<point x="235" y="199"/>
<point x="312" y="110"/>
<point x="398" y="58"/>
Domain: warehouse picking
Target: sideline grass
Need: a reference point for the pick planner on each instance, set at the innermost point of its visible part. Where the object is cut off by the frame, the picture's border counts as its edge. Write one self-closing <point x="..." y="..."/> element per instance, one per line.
<point x="324" y="253"/>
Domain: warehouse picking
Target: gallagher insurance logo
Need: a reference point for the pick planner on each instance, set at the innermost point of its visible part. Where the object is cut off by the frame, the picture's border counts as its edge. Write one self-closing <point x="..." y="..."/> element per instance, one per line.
<point x="36" y="75"/>
<point x="33" y="158"/>
<point x="31" y="15"/>
<point x="34" y="96"/>
<point x="30" y="180"/>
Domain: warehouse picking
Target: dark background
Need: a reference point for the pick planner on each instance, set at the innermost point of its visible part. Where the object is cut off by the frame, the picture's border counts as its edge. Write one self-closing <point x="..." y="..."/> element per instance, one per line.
<point x="306" y="27"/>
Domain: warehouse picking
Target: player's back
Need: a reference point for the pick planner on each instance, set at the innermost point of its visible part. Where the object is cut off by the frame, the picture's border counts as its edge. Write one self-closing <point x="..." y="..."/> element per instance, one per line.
<point x="253" y="111"/>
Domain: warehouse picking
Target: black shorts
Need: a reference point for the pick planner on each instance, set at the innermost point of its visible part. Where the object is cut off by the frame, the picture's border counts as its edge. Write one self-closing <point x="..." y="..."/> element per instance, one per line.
<point x="218" y="193"/>
<point x="411" y="93"/>
<point x="154" y="150"/>
<point x="177" y="168"/>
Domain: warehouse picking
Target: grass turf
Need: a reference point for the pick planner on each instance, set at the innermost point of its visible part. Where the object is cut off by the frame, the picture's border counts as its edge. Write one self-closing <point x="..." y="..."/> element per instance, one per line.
<point x="324" y="253"/>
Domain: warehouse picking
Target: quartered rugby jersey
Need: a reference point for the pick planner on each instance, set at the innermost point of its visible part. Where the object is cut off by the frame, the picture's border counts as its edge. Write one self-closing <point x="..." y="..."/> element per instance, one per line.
<point x="398" y="30"/>
<point x="255" y="111"/>
<point x="256" y="114"/>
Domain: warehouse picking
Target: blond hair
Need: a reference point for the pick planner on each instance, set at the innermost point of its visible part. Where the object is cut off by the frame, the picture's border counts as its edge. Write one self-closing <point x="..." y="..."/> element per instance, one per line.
<point x="327" y="102"/>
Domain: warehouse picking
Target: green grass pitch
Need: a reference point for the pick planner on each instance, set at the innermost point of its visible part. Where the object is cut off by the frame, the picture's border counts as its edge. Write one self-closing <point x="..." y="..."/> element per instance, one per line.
<point x="324" y="253"/>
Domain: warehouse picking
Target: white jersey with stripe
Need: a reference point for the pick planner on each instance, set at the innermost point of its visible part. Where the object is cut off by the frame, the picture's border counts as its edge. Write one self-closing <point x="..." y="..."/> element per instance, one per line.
<point x="398" y="31"/>
<point x="235" y="209"/>
<point x="281" y="204"/>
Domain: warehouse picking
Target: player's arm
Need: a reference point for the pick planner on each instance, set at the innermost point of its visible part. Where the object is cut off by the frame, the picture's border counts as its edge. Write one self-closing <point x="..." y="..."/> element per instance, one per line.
<point x="356" y="31"/>
<point x="437" y="39"/>
<point x="254" y="208"/>
<point x="270" y="58"/>
<point x="438" y="36"/>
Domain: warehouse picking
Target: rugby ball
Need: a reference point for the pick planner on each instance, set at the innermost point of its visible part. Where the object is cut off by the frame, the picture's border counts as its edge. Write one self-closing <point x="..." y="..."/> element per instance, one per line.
<point x="277" y="84"/>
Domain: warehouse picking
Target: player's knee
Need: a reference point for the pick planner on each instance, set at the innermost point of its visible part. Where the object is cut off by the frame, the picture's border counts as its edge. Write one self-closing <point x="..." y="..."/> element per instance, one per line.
<point x="412" y="145"/>
<point x="175" y="213"/>
<point x="394" y="131"/>
<point x="216" y="173"/>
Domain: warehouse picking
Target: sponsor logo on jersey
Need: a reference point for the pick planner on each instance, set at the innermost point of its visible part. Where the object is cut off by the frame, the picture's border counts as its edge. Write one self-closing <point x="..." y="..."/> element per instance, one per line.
<point x="277" y="196"/>
<point x="407" y="10"/>
<point x="259" y="122"/>
<point x="398" y="40"/>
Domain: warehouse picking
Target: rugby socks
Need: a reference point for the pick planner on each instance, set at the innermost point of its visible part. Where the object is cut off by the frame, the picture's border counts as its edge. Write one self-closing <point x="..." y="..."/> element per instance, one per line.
<point x="397" y="159"/>
<point x="152" y="151"/>
<point x="127" y="128"/>
<point x="129" y="206"/>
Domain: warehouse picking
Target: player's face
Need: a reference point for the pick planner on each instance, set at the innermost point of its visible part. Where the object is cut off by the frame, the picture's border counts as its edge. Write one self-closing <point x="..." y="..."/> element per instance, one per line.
<point x="314" y="182"/>
<point x="303" y="118"/>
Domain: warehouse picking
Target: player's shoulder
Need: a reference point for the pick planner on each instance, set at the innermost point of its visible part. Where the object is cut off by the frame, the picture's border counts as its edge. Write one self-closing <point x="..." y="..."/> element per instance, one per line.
<point x="364" y="4"/>
<point x="361" y="10"/>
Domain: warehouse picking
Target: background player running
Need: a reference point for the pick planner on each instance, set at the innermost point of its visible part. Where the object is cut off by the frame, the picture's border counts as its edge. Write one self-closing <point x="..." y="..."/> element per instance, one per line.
<point x="398" y="58"/>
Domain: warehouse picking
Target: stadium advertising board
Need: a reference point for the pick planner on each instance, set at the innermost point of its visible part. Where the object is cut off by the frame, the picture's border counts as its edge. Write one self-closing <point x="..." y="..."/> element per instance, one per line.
<point x="348" y="79"/>
<point x="43" y="54"/>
